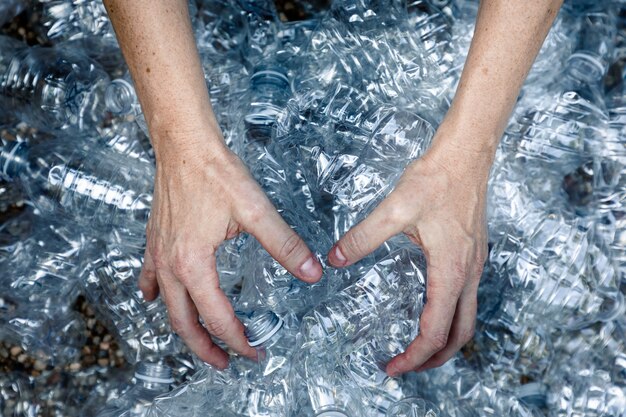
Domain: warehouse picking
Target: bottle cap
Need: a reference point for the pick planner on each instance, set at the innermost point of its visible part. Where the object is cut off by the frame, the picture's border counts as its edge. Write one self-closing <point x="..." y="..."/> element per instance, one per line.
<point x="154" y="372"/>
<point x="262" y="327"/>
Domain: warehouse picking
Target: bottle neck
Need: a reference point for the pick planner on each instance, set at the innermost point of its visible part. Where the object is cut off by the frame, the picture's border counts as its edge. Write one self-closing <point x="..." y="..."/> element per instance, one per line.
<point x="585" y="68"/>
<point x="154" y="376"/>
<point x="263" y="330"/>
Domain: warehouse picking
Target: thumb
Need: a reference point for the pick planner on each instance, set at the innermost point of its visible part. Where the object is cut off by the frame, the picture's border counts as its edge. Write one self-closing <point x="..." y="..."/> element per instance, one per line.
<point x="387" y="220"/>
<point x="283" y="244"/>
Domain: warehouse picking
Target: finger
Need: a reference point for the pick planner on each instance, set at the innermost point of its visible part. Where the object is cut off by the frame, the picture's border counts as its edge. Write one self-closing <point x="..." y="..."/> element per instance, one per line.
<point x="184" y="320"/>
<point x="435" y="321"/>
<point x="200" y="278"/>
<point x="462" y="330"/>
<point x="148" y="283"/>
<point x="284" y="244"/>
<point x="384" y="222"/>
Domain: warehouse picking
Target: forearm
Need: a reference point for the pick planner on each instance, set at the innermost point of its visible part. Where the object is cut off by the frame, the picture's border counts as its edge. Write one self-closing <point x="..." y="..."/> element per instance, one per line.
<point x="507" y="38"/>
<point x="157" y="42"/>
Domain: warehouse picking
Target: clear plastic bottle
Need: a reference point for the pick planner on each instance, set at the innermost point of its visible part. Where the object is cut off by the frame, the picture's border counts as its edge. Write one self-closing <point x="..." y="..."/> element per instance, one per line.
<point x="51" y="89"/>
<point x="393" y="284"/>
<point x="93" y="186"/>
<point x="558" y="273"/>
<point x="413" y="407"/>
<point x="586" y="393"/>
<point x="151" y="380"/>
<point x="121" y="100"/>
<point x="219" y="29"/>
<point x="512" y="351"/>
<point x="321" y="386"/>
<point x="268" y="95"/>
<point x="272" y="338"/>
<point x="44" y="265"/>
<point x="261" y="27"/>
<point x="110" y="285"/>
<point x="54" y="335"/>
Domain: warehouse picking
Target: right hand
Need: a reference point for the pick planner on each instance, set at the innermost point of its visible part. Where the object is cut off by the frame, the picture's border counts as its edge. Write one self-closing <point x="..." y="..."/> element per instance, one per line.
<point x="203" y="194"/>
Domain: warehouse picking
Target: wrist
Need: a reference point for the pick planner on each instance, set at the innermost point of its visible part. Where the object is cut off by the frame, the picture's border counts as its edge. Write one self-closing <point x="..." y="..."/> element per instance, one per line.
<point x="190" y="149"/>
<point x="460" y="132"/>
<point x="463" y="152"/>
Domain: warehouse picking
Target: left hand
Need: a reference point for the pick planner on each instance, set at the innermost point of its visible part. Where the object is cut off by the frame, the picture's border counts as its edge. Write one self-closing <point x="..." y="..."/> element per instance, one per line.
<point x="439" y="203"/>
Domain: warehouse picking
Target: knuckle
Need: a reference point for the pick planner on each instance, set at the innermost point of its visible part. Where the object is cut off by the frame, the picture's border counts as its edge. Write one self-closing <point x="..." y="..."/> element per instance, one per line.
<point x="217" y="327"/>
<point x="292" y="247"/>
<point x="396" y="211"/>
<point x="158" y="260"/>
<point x="354" y="242"/>
<point x="178" y="326"/>
<point x="182" y="267"/>
<point x="255" y="212"/>
<point x="459" y="276"/>
<point x="437" y="340"/>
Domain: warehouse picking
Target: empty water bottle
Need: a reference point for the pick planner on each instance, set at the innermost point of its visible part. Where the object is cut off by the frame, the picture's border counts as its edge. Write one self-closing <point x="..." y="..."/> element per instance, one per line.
<point x="269" y="92"/>
<point x="272" y="338"/>
<point x="151" y="380"/>
<point x="321" y="386"/>
<point x="85" y="183"/>
<point x="52" y="89"/>
<point x="413" y="407"/>
<point x="586" y="393"/>
<point x="53" y="335"/>
<point x="110" y="285"/>
<point x="558" y="272"/>
<point x="394" y="284"/>
<point x="121" y="100"/>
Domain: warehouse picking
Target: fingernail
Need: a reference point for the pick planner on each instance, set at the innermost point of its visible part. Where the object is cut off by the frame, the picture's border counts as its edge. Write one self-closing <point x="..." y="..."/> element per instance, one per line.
<point x="340" y="256"/>
<point x="310" y="269"/>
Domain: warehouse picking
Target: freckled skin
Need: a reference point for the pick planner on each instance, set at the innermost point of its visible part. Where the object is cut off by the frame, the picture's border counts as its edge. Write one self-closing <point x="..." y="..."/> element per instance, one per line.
<point x="204" y="194"/>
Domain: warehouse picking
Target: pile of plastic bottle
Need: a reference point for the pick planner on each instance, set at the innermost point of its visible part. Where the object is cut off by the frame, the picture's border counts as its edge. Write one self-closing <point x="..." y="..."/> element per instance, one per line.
<point x="326" y="113"/>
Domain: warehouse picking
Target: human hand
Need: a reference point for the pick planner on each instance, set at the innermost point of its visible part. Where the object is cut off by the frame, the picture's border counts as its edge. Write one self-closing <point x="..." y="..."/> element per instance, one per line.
<point x="439" y="203"/>
<point x="203" y="195"/>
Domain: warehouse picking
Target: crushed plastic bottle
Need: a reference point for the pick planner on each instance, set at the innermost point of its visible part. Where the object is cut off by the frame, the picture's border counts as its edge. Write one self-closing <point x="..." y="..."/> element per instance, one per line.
<point x="110" y="285"/>
<point x="51" y="89"/>
<point x="83" y="182"/>
<point x="151" y="379"/>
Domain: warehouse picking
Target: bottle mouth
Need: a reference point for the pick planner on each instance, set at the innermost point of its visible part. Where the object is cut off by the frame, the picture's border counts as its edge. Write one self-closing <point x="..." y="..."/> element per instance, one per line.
<point x="259" y="127"/>
<point x="591" y="69"/>
<point x="119" y="97"/>
<point x="262" y="327"/>
<point x="154" y="372"/>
